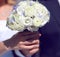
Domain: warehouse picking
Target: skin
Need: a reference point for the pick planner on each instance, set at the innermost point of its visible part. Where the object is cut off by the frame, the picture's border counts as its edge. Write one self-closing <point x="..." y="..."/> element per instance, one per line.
<point x="30" y="46"/>
<point x="24" y="43"/>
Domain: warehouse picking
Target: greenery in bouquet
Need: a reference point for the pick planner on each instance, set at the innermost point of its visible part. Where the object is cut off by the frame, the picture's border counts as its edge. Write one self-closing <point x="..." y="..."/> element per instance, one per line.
<point x="30" y="15"/>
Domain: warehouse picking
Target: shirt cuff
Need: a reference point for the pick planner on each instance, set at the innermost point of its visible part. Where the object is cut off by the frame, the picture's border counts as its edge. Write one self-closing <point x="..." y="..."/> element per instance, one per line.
<point x="18" y="53"/>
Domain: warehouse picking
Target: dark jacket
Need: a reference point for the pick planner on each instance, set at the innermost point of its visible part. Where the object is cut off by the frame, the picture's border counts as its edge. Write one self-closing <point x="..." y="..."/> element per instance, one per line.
<point x="50" y="40"/>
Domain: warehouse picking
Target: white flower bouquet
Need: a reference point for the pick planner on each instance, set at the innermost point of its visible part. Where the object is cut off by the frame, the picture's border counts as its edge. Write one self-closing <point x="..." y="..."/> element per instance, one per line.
<point x="30" y="15"/>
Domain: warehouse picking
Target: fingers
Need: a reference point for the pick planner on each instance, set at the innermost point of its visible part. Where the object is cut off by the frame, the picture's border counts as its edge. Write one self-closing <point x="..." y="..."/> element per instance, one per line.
<point x="29" y="42"/>
<point x="29" y="45"/>
<point x="23" y="47"/>
<point x="29" y="53"/>
<point x="39" y="34"/>
<point x="33" y="51"/>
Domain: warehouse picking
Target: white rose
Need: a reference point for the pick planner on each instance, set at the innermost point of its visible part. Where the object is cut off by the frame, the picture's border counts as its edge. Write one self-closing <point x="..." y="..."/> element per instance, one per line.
<point x="41" y="9"/>
<point x="20" y="11"/>
<point x="30" y="11"/>
<point x="22" y="4"/>
<point x="37" y="22"/>
<point x="20" y="27"/>
<point x="16" y="24"/>
<point x="27" y="21"/>
<point x="45" y="19"/>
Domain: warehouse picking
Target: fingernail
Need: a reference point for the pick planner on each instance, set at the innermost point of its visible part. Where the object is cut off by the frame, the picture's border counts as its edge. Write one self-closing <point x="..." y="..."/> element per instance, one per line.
<point x="39" y="34"/>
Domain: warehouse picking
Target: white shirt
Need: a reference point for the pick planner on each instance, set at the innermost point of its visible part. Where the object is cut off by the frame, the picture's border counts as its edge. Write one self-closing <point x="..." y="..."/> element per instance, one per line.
<point x="5" y="32"/>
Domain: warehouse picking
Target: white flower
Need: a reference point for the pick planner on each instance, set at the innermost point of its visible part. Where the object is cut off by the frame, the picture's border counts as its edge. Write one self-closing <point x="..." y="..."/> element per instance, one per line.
<point x="20" y="11"/>
<point x="20" y="27"/>
<point x="16" y="24"/>
<point x="37" y="22"/>
<point x="28" y="15"/>
<point x="30" y="11"/>
<point x="27" y="21"/>
<point x="45" y="19"/>
<point x="41" y="9"/>
<point x="22" y="5"/>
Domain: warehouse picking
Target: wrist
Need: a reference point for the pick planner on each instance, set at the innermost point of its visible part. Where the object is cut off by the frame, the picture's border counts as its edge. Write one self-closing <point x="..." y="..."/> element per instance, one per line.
<point x="3" y="48"/>
<point x="19" y="53"/>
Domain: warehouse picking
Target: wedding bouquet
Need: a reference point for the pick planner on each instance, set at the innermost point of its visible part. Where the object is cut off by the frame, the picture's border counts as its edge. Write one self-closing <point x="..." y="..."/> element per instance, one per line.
<point x="30" y="15"/>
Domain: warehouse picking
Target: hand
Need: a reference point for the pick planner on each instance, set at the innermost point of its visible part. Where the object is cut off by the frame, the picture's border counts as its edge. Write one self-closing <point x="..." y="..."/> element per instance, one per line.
<point x="3" y="48"/>
<point x="29" y="48"/>
<point x="27" y="42"/>
<point x="21" y="36"/>
<point x="31" y="45"/>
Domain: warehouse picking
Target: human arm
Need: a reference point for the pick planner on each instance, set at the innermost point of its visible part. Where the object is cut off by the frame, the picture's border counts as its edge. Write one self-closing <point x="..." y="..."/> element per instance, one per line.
<point x="3" y="48"/>
<point x="25" y="42"/>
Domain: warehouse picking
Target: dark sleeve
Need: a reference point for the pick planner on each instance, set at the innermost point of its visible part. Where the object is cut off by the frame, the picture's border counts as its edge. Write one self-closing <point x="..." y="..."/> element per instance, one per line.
<point x="36" y="54"/>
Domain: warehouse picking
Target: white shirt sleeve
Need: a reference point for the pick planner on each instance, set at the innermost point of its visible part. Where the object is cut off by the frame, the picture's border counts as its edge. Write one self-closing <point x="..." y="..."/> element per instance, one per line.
<point x="6" y="35"/>
<point x="5" y="32"/>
